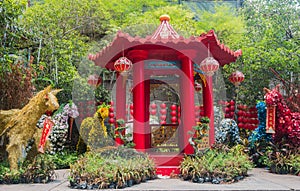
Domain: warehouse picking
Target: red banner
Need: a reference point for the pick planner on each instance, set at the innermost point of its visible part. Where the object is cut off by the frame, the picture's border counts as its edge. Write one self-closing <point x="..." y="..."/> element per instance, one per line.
<point x="270" y="125"/>
<point x="46" y="131"/>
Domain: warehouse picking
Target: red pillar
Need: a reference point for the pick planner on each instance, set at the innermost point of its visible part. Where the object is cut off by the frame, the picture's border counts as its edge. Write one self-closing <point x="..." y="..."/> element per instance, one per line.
<point x="187" y="102"/>
<point x="208" y="106"/>
<point x="140" y="107"/>
<point x="120" y="101"/>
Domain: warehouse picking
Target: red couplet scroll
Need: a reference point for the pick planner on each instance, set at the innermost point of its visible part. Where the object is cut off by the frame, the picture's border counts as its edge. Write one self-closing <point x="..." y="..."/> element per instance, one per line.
<point x="270" y="125"/>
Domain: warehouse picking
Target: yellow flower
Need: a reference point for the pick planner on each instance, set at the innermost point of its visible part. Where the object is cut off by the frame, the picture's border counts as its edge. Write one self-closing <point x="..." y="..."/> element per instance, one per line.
<point x="104" y="112"/>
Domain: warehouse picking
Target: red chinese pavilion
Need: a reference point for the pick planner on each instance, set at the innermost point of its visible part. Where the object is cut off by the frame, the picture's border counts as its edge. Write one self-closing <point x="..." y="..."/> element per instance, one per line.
<point x="164" y="58"/>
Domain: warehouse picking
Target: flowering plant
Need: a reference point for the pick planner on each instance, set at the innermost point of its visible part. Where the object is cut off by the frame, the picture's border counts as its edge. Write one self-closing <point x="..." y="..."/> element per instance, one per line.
<point x="59" y="133"/>
<point x="103" y="112"/>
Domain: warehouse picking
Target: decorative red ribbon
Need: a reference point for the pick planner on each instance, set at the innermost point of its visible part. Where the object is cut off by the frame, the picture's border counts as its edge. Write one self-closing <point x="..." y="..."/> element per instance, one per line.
<point x="48" y="124"/>
<point x="270" y="125"/>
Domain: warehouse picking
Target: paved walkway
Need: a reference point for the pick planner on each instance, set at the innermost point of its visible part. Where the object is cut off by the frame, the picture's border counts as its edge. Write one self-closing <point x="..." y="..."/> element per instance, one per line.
<point x="259" y="179"/>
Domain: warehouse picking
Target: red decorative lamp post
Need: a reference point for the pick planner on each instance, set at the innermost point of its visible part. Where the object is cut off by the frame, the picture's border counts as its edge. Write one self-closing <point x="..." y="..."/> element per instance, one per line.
<point x="236" y="78"/>
<point x="209" y="66"/>
<point x="122" y="66"/>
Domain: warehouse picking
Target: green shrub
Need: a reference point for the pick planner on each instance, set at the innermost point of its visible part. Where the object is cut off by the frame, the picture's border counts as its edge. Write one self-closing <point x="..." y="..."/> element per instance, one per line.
<point x="40" y="170"/>
<point x="284" y="159"/>
<point x="111" y="168"/>
<point x="62" y="160"/>
<point x="216" y="165"/>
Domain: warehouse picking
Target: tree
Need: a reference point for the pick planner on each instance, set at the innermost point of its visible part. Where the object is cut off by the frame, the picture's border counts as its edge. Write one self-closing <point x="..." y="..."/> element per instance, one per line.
<point x="66" y="30"/>
<point x="226" y="22"/>
<point x="271" y="41"/>
<point x="15" y="69"/>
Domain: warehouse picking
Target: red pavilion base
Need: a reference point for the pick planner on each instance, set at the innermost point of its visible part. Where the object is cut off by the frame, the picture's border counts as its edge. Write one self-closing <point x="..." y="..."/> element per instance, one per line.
<point x="167" y="164"/>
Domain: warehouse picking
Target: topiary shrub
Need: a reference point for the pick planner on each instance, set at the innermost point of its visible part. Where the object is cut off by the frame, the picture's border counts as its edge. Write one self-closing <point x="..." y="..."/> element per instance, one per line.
<point x="93" y="132"/>
<point x="227" y="133"/>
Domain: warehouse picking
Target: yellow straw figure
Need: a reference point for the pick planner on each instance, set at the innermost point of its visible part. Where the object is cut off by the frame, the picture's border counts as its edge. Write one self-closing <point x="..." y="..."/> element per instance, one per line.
<point x="93" y="131"/>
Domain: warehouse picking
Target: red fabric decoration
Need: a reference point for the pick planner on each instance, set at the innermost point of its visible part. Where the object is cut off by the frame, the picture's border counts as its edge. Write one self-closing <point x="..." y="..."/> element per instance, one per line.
<point x="48" y="124"/>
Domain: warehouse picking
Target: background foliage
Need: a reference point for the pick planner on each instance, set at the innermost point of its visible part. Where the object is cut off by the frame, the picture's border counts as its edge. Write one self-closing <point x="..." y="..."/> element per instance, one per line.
<point x="58" y="34"/>
<point x="271" y="41"/>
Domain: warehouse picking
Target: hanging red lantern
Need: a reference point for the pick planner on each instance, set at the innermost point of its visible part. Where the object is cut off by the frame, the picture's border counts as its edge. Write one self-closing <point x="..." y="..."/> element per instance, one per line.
<point x="241" y="125"/>
<point x="111" y="115"/>
<point x="111" y="109"/>
<point x="173" y="107"/>
<point x="236" y="78"/>
<point x="122" y="65"/>
<point x="163" y="111"/>
<point x="174" y="119"/>
<point x="198" y="87"/>
<point x="163" y="117"/>
<point x="153" y="106"/>
<point x="94" y="80"/>
<point x="231" y="102"/>
<point x="209" y="66"/>
<point x="153" y="112"/>
<point x="173" y="113"/>
<point x="232" y="108"/>
<point x="163" y="105"/>
<point x="111" y="120"/>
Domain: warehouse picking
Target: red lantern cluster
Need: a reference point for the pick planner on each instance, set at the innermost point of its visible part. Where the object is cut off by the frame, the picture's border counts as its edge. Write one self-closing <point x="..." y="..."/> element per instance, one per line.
<point x="163" y="112"/>
<point x="173" y="113"/>
<point x="153" y="108"/>
<point x="236" y="78"/>
<point x="111" y="115"/>
<point x="247" y="117"/>
<point x="178" y="114"/>
<point x="228" y="108"/>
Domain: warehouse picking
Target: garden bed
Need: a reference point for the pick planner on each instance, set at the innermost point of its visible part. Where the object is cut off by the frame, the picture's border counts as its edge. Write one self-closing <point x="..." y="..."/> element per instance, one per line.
<point x="111" y="168"/>
<point x="40" y="170"/>
<point x="217" y="165"/>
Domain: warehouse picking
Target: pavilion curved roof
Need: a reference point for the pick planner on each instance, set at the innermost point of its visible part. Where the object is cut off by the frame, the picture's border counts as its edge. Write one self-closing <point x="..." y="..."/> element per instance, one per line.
<point x="165" y="37"/>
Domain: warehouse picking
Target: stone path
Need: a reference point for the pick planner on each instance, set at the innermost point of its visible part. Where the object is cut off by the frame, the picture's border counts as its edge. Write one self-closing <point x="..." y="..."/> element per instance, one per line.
<point x="259" y="179"/>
